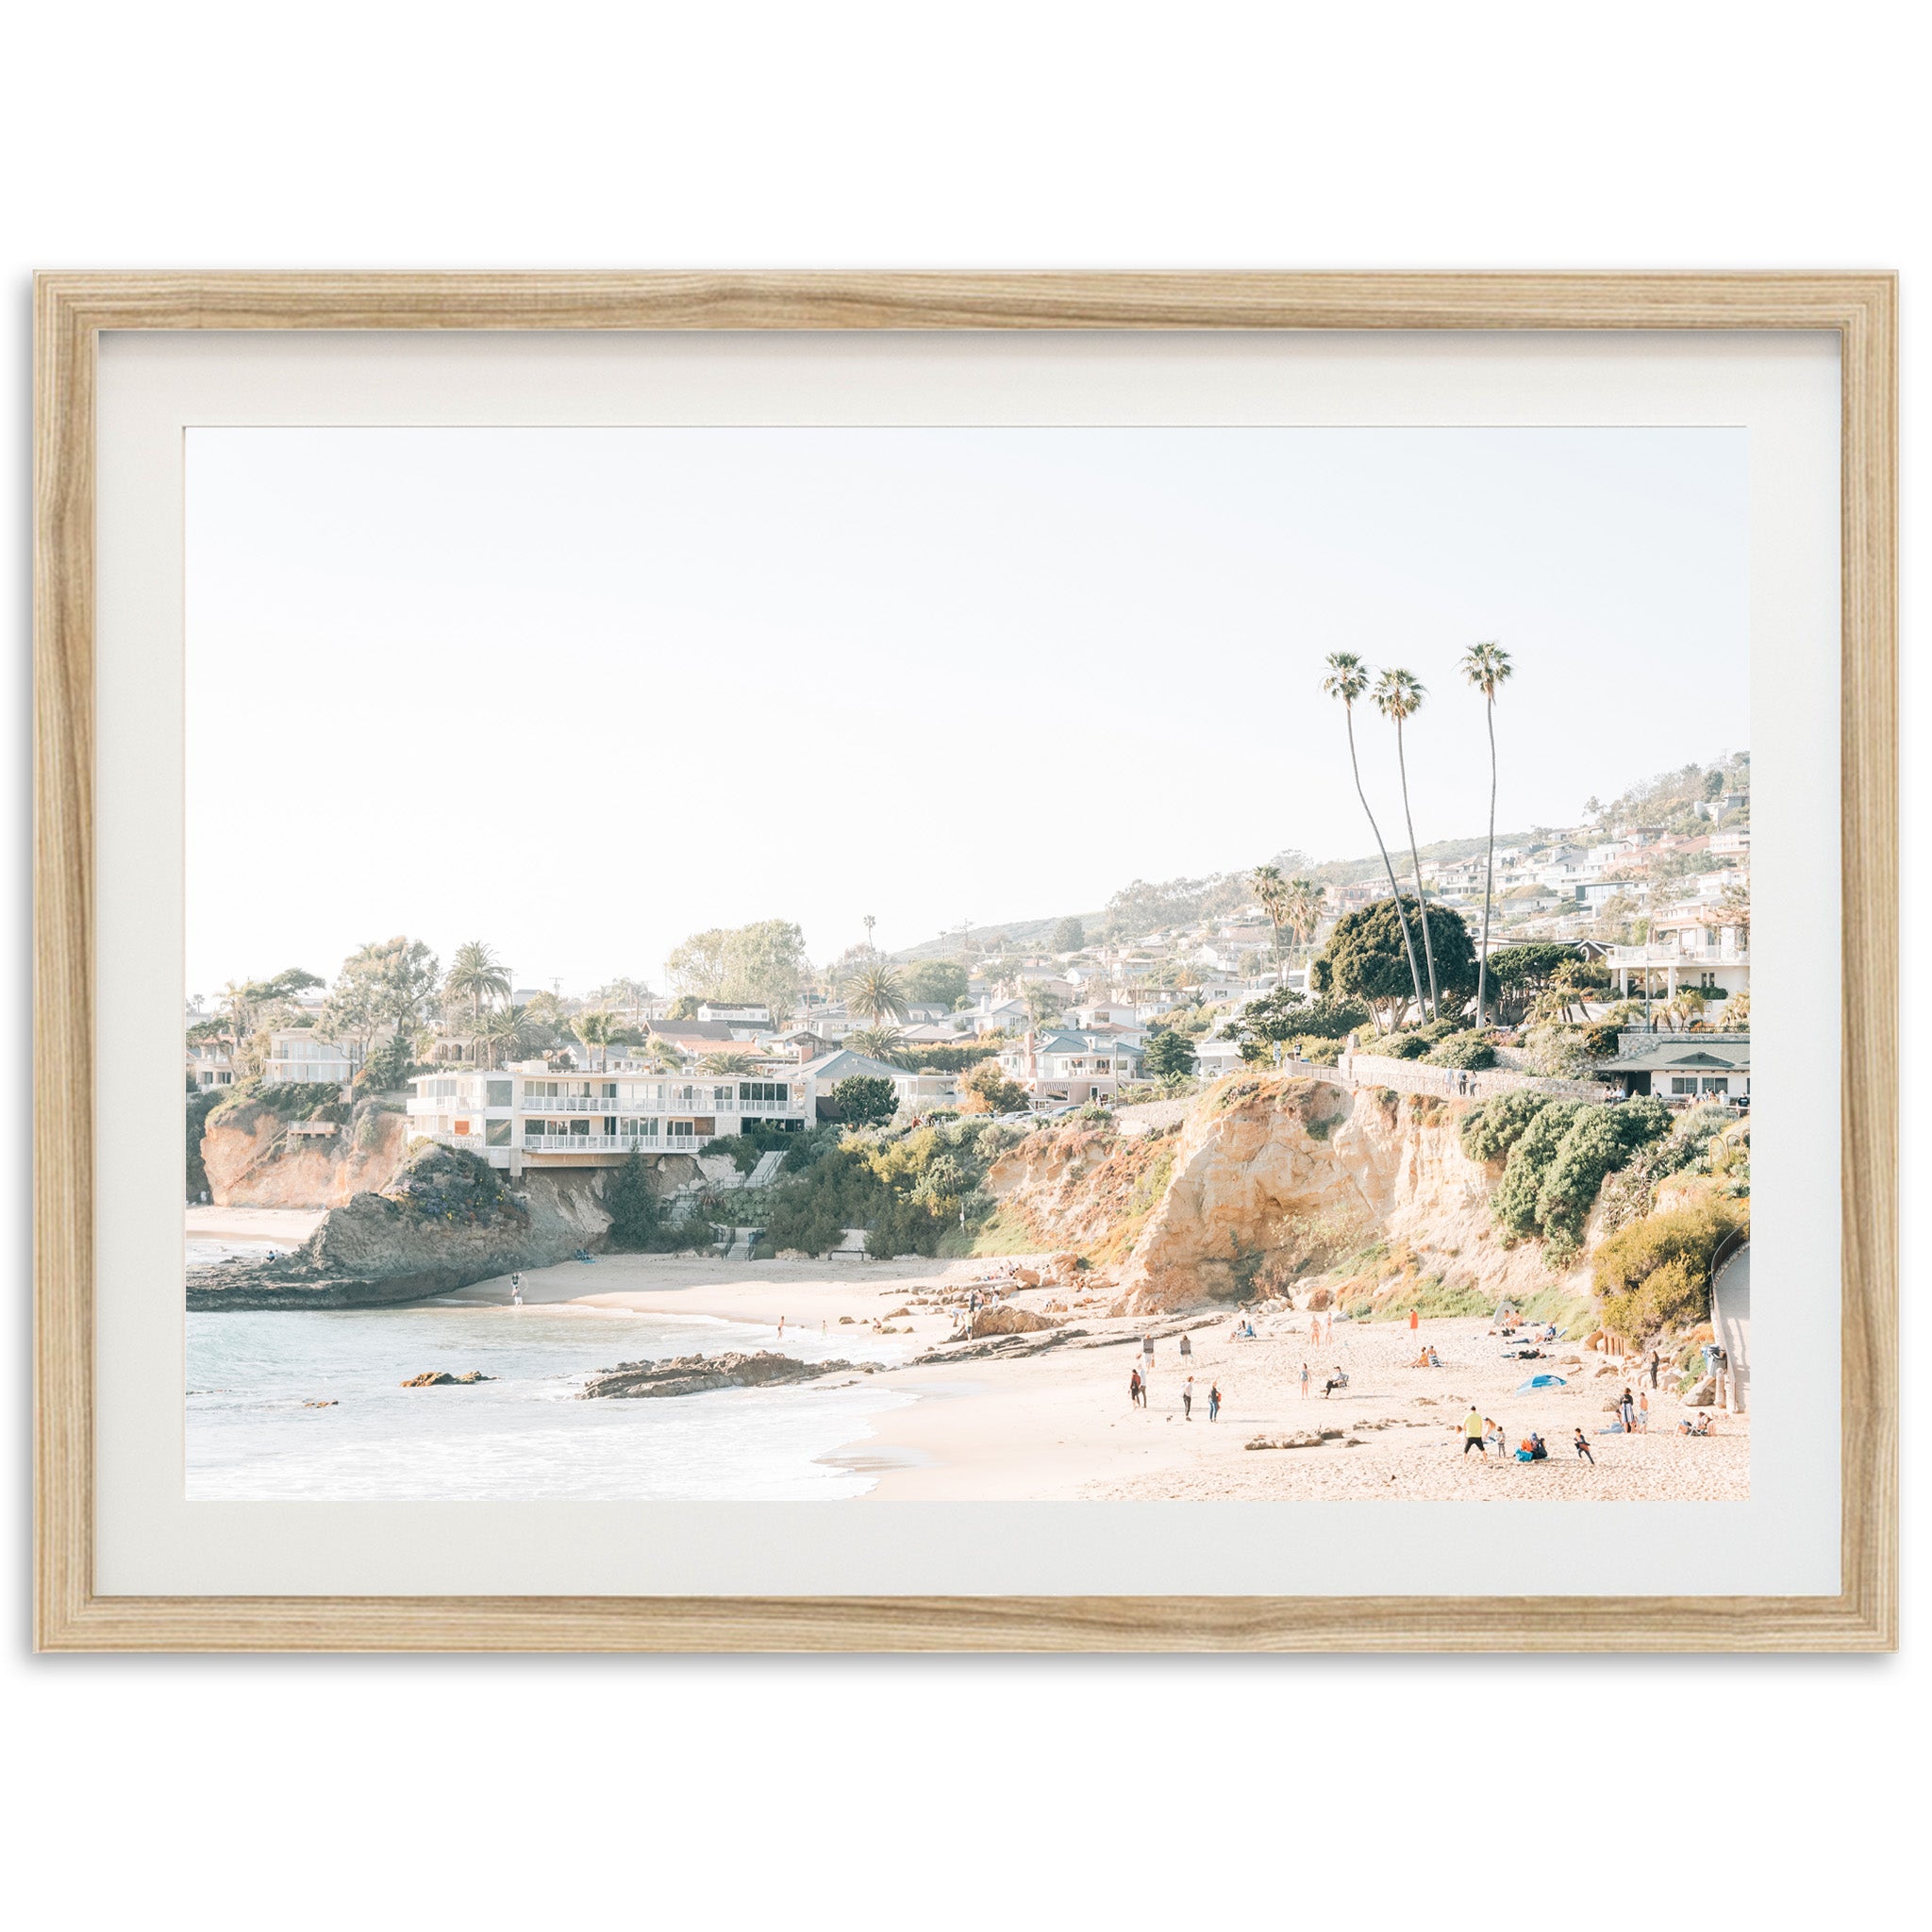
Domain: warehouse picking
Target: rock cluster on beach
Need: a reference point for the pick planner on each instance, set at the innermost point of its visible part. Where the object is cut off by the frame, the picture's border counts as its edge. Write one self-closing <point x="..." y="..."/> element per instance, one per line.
<point x="448" y="1219"/>
<point x="437" y="1378"/>
<point x="697" y="1375"/>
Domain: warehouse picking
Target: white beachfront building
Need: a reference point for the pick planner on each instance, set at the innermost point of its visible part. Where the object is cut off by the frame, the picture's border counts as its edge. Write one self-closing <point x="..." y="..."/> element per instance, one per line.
<point x="528" y="1115"/>
<point x="296" y="1053"/>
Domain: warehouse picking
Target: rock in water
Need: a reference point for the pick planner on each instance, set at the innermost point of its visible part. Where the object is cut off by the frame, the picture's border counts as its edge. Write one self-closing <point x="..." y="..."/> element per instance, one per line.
<point x="697" y="1375"/>
<point x="437" y="1378"/>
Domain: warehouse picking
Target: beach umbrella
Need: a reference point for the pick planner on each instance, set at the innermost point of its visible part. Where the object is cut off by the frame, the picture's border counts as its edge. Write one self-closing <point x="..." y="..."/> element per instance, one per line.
<point x="1542" y="1382"/>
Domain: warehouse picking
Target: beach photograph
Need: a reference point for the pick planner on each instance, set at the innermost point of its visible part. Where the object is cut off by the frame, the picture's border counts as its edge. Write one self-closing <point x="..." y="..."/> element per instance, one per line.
<point x="967" y="965"/>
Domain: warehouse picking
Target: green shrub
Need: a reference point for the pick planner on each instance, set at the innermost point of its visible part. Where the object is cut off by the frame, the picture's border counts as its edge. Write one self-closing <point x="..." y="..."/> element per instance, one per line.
<point x="1600" y="1139"/>
<point x="1318" y="1052"/>
<point x="1467" y="1050"/>
<point x="1406" y="1046"/>
<point x="1530" y="1160"/>
<point x="861" y="1100"/>
<point x="1491" y="1130"/>
<point x="1656" y="1273"/>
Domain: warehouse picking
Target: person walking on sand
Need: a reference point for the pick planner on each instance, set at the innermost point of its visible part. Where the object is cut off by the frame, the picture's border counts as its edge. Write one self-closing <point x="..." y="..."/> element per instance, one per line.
<point x="1187" y="1400"/>
<point x="1186" y="1349"/>
<point x="1583" y="1448"/>
<point x="1653" y="1366"/>
<point x="1627" y="1412"/>
<point x="1643" y="1411"/>
<point x="1473" y="1433"/>
<point x="1492" y="1432"/>
<point x="1414" y="1317"/>
<point x="1135" y="1391"/>
<point x="781" y="1327"/>
<point x="1304" y="1381"/>
<point x="1214" y="1402"/>
<point x="516" y="1291"/>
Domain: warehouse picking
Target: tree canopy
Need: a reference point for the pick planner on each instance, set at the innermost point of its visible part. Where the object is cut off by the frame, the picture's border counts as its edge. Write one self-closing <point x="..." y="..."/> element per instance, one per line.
<point x="1366" y="958"/>
<point x="861" y="1100"/>
<point x="761" y="964"/>
<point x="1169" y="1056"/>
<point x="934" y="982"/>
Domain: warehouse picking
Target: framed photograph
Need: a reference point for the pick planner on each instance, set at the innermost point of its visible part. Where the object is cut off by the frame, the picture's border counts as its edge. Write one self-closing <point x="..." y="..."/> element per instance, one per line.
<point x="981" y="963"/>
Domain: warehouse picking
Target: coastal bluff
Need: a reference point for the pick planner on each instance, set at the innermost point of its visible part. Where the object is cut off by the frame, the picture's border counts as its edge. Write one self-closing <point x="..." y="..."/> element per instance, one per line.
<point x="1266" y="1182"/>
<point x="445" y="1221"/>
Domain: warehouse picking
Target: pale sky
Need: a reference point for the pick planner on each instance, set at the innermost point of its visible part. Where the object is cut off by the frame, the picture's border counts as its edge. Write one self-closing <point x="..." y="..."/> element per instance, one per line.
<point x="579" y="692"/>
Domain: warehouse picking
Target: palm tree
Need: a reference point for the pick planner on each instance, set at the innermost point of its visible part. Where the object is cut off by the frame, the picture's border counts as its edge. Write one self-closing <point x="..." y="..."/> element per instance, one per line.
<point x="1301" y="910"/>
<point x="1347" y="679"/>
<point x="504" y="1030"/>
<point x="877" y="1043"/>
<point x="875" y="991"/>
<point x="1399" y="694"/>
<point x="594" y="1029"/>
<point x="1269" y="889"/>
<point x="726" y="1062"/>
<point x="1486" y="666"/>
<point x="476" y="974"/>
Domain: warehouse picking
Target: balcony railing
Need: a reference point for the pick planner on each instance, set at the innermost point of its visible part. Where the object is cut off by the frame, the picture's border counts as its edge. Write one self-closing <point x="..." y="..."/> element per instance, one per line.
<point x="614" y="1143"/>
<point x="1678" y="955"/>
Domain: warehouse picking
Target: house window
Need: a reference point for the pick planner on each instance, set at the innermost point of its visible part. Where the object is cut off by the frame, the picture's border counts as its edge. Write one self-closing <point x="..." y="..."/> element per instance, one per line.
<point x="496" y="1134"/>
<point x="641" y="1130"/>
<point x="1683" y="1083"/>
<point x="680" y="1130"/>
<point x="498" y="1093"/>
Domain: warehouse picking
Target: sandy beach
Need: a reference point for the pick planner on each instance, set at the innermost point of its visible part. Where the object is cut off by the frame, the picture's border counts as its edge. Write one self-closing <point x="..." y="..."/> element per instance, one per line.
<point x="1060" y="1425"/>
<point x="285" y="1226"/>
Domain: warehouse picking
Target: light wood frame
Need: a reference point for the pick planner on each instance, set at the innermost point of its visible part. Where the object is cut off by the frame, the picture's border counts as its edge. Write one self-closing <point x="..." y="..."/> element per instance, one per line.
<point x="72" y="309"/>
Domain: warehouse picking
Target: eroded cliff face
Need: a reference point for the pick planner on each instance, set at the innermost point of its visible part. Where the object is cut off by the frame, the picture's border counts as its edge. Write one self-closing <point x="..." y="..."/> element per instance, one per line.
<point x="1268" y="1183"/>
<point x="253" y="1160"/>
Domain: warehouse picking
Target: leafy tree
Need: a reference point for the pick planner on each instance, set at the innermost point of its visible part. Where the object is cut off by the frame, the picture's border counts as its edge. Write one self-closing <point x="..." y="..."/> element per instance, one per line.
<point x="1068" y="936"/>
<point x="1332" y="1018"/>
<point x="1367" y="949"/>
<point x="627" y="997"/>
<point x="764" y="965"/>
<point x="1169" y="1056"/>
<point x="390" y="984"/>
<point x="862" y="1100"/>
<point x="685" y="1006"/>
<point x="1486" y="666"/>
<point x="1043" y="1004"/>
<point x="1268" y="1024"/>
<point x="636" y="1213"/>
<point x="1399" y="696"/>
<point x="934" y="983"/>
<point x="1519" y="974"/>
<point x="696" y="968"/>
<point x="1347" y="680"/>
<point x="989" y="1090"/>
<point x="876" y="992"/>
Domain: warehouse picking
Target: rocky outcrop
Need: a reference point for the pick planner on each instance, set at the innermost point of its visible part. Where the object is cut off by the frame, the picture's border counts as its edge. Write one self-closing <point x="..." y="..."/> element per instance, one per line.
<point x="1271" y="1178"/>
<point x="698" y="1375"/>
<point x="1271" y="1181"/>
<point x="1004" y="1318"/>
<point x="442" y="1379"/>
<point x="255" y="1158"/>
<point x="448" y="1219"/>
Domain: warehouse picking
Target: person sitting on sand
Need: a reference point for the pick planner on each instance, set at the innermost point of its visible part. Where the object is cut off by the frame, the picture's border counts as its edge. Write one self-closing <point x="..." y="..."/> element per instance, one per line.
<point x="1583" y="1448"/>
<point x="1538" y="1449"/>
<point x="1473" y="1433"/>
<point x="1700" y="1428"/>
<point x="1336" y="1381"/>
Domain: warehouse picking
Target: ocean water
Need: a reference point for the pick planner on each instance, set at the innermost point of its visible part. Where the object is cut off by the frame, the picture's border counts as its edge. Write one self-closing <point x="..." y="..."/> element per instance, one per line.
<point x="251" y="1434"/>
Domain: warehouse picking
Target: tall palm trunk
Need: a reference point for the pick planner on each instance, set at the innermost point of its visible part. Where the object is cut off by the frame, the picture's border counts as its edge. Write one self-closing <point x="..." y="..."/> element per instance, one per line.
<point x="1394" y="891"/>
<point x="1422" y="909"/>
<point x="1482" y="964"/>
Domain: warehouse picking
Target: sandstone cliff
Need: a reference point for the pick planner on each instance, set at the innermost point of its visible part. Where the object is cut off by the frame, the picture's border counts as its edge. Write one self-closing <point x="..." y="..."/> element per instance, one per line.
<point x="1275" y="1184"/>
<point x="254" y="1159"/>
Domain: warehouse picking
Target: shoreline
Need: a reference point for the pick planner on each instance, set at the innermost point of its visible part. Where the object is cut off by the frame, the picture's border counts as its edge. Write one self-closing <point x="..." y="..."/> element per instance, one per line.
<point x="1059" y="1426"/>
